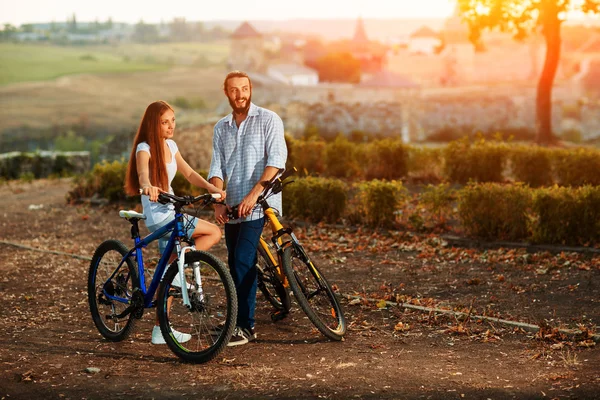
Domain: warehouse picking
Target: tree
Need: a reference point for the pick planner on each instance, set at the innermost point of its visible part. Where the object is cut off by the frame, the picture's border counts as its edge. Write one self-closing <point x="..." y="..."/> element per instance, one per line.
<point x="339" y="67"/>
<point x="145" y="33"/>
<point x="521" y="17"/>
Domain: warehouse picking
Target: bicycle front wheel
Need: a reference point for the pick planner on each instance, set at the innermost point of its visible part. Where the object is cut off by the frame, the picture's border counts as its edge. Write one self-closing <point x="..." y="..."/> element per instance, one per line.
<point x="197" y="332"/>
<point x="111" y="283"/>
<point x="269" y="282"/>
<point x="313" y="293"/>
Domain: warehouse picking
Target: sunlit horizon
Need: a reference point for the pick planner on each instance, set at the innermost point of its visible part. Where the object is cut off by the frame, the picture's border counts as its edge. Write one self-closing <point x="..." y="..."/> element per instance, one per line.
<point x="153" y="11"/>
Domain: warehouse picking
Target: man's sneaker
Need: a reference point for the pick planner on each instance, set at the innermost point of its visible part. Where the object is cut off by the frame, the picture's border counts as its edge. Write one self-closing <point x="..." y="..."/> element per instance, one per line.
<point x="157" y="337"/>
<point x="241" y="336"/>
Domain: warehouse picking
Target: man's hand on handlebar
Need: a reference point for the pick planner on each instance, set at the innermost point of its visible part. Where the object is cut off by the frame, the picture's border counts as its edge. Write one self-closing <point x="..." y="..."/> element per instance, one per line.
<point x="248" y="203"/>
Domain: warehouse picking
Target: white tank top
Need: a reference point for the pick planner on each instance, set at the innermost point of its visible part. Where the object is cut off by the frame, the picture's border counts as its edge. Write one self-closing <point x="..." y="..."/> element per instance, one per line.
<point x="154" y="211"/>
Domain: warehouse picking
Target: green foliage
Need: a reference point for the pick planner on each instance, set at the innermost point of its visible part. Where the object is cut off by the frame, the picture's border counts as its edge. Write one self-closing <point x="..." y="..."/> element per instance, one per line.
<point x="27" y="177"/>
<point x="386" y="159"/>
<point x="376" y="202"/>
<point x="480" y="161"/>
<point x="341" y="158"/>
<point x="438" y="200"/>
<point x="105" y="180"/>
<point x="194" y="103"/>
<point x="577" y="167"/>
<point x="69" y="141"/>
<point x="493" y="211"/>
<point x="308" y="156"/>
<point x="32" y="62"/>
<point x="182" y="187"/>
<point x="567" y="216"/>
<point x="425" y="164"/>
<point x="531" y="165"/>
<point x="315" y="199"/>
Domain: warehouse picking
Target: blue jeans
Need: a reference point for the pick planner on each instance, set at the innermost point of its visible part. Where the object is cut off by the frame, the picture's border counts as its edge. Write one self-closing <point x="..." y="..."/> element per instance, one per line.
<point x="242" y="242"/>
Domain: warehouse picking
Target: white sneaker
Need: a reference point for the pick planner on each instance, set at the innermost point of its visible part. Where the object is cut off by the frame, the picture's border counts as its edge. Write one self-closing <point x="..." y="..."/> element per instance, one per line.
<point x="177" y="282"/>
<point x="157" y="337"/>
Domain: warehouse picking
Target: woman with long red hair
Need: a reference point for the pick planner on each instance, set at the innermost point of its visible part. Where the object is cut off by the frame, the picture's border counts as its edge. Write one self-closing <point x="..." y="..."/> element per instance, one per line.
<point x="153" y="162"/>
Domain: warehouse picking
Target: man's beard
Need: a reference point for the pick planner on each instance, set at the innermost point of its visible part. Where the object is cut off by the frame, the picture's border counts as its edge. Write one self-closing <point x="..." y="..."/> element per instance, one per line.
<point x="240" y="110"/>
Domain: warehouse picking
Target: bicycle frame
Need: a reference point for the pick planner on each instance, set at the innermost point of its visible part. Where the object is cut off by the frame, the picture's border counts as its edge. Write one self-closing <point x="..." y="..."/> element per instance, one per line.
<point x="177" y="231"/>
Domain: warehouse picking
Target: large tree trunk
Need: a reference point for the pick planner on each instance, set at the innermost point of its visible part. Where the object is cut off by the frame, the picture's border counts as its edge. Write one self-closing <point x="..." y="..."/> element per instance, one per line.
<point x="551" y="30"/>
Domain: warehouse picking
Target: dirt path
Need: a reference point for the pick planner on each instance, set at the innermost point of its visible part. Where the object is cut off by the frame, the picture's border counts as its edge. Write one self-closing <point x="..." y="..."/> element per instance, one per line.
<point x="47" y="339"/>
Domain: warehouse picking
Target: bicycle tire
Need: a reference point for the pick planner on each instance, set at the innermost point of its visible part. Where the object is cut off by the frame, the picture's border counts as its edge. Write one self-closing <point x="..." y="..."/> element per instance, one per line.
<point x="313" y="293"/>
<point x="210" y="321"/>
<point x="105" y="260"/>
<point x="269" y="283"/>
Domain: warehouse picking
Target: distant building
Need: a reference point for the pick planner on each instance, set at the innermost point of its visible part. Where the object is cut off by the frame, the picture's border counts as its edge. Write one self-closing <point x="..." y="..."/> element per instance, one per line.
<point x="247" y="49"/>
<point x="424" y="41"/>
<point x="293" y="74"/>
<point x="372" y="55"/>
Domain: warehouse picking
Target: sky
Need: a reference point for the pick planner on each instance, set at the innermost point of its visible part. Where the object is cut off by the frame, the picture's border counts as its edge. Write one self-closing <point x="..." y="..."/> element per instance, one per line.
<point x="18" y="12"/>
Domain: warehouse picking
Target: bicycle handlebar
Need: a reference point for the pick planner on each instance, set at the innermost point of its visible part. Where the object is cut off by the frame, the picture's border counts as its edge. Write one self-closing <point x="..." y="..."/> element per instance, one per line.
<point x="180" y="201"/>
<point x="276" y="185"/>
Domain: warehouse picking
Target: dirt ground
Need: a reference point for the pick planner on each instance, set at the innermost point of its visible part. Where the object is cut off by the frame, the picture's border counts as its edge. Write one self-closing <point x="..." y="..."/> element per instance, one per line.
<point x="48" y="339"/>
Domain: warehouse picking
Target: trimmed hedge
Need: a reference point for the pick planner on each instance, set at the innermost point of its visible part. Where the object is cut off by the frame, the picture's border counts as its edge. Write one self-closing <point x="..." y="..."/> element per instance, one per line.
<point x="460" y="161"/>
<point x="567" y="216"/>
<point x="494" y="211"/>
<point x="315" y="199"/>
<point x="480" y="161"/>
<point x="577" y="167"/>
<point x="376" y="201"/>
<point x="531" y="165"/>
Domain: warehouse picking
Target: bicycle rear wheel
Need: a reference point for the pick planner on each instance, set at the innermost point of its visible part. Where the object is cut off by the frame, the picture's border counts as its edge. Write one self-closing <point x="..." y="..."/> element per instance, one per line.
<point x="313" y="293"/>
<point x="111" y="284"/>
<point x="200" y="332"/>
<point x="270" y="284"/>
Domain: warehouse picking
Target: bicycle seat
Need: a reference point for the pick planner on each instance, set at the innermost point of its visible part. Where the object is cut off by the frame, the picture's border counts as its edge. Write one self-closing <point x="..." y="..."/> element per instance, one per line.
<point x="130" y="214"/>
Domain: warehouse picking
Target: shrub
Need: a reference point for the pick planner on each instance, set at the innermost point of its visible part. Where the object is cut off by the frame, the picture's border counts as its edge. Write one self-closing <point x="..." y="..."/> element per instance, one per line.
<point x="104" y="180"/>
<point x="27" y="177"/>
<point x="182" y="187"/>
<point x="425" y="163"/>
<point x="531" y="165"/>
<point x="308" y="156"/>
<point x="494" y="211"/>
<point x="480" y="161"/>
<point x="62" y="166"/>
<point x="315" y="199"/>
<point x="341" y="159"/>
<point x="567" y="216"/>
<point x="376" y="202"/>
<point x="437" y="200"/>
<point x="386" y="159"/>
<point x="577" y="167"/>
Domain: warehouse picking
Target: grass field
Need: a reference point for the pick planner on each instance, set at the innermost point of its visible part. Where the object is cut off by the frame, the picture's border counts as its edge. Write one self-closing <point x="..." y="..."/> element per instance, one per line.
<point x="34" y="62"/>
<point x="25" y="63"/>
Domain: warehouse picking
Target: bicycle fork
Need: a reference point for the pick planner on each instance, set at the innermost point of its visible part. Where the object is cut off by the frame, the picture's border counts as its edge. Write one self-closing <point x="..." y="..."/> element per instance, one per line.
<point x="181" y="275"/>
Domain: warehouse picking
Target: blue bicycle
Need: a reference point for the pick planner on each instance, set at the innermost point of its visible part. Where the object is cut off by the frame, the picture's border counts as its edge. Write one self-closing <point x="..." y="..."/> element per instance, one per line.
<point x="197" y="302"/>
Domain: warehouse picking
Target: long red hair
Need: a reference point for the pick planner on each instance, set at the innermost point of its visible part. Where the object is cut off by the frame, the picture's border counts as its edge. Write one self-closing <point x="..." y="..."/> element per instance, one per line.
<point x="149" y="132"/>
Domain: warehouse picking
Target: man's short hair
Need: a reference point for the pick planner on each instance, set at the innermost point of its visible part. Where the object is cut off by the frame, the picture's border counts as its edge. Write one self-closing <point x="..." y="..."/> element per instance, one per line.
<point x="236" y="74"/>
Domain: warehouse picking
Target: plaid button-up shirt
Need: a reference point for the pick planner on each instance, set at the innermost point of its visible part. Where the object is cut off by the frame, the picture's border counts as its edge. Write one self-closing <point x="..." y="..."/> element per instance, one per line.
<point x="240" y="155"/>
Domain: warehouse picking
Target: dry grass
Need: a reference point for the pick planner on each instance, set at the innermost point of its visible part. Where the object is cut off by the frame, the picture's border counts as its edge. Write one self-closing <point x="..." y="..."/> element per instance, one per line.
<point x="115" y="100"/>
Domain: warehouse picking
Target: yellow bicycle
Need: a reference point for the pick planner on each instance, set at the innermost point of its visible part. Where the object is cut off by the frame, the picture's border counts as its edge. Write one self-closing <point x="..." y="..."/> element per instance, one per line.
<point x="291" y="268"/>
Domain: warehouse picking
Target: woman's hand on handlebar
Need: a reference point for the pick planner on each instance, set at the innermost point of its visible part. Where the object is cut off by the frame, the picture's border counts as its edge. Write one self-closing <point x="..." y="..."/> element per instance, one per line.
<point x="152" y="192"/>
<point x="221" y="192"/>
